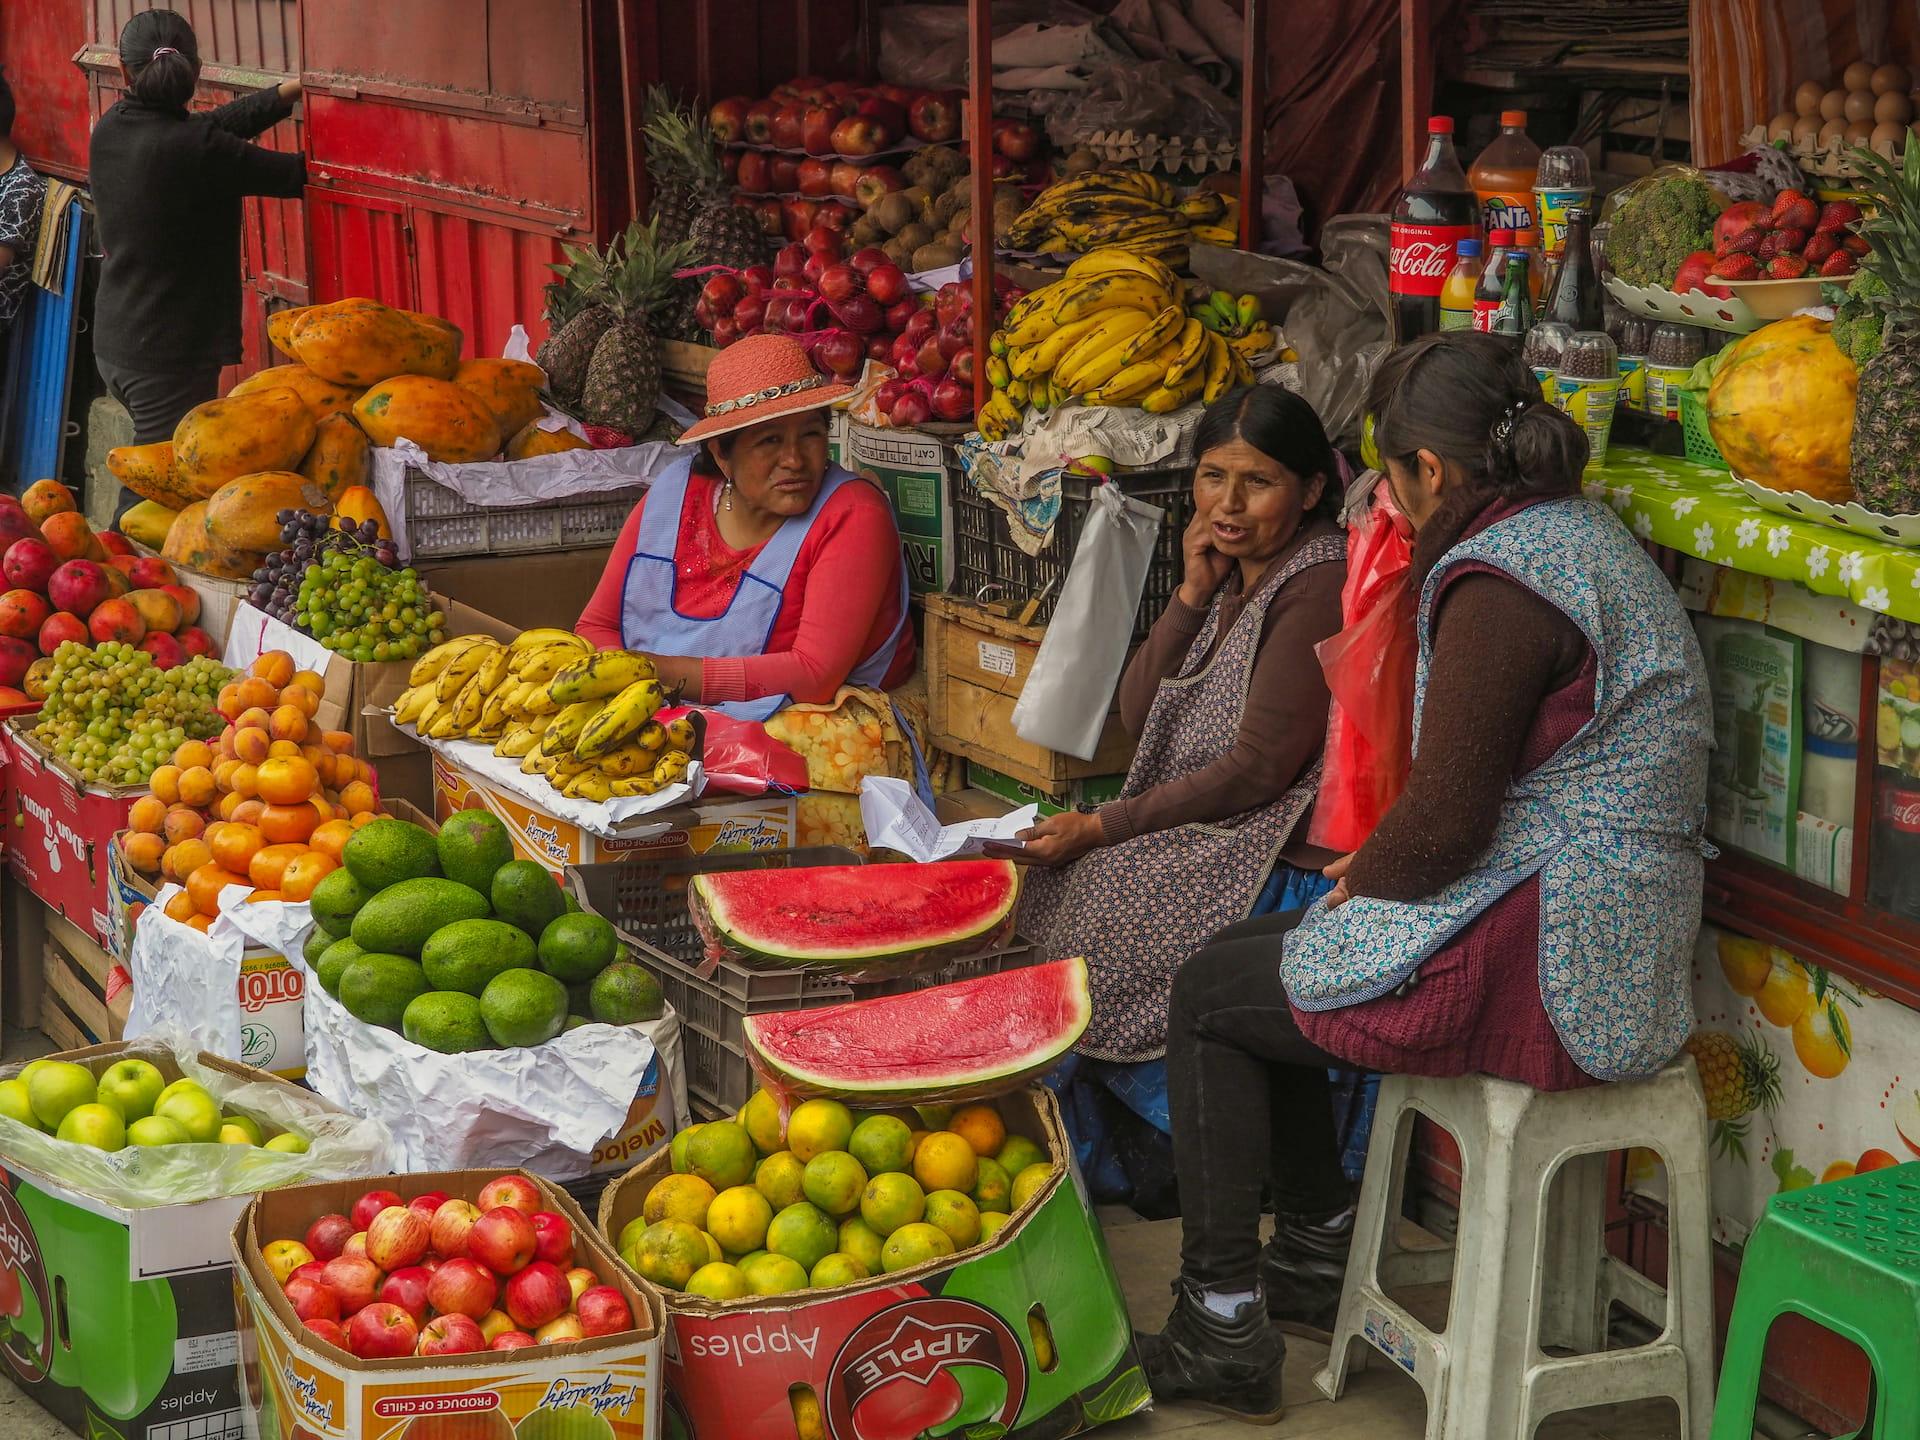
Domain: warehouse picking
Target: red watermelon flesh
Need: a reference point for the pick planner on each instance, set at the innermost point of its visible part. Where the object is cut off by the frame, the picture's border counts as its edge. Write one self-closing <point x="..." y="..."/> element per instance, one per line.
<point x="855" y="918"/>
<point x="945" y="1044"/>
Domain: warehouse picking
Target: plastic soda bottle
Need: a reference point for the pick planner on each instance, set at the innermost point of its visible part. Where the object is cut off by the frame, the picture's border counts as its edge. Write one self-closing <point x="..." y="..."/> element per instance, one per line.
<point x="1503" y="176"/>
<point x="1456" y="296"/>
<point x="1434" y="213"/>
<point x="1486" y="296"/>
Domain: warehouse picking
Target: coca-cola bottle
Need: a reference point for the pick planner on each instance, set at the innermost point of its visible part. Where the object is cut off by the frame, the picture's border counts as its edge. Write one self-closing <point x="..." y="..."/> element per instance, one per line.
<point x="1893" y="879"/>
<point x="1435" y="212"/>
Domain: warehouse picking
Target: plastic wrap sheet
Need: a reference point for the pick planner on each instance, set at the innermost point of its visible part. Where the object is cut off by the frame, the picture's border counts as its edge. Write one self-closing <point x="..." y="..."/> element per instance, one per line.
<point x="1160" y="97"/>
<point x="340" y="1147"/>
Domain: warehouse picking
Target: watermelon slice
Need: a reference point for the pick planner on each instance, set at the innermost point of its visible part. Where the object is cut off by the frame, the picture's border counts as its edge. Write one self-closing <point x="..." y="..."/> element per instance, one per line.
<point x="945" y="1044"/>
<point x="870" y="919"/>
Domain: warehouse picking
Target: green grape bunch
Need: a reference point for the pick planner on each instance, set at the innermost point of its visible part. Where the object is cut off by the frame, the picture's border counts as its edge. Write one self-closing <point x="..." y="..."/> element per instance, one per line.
<point x="359" y="608"/>
<point x="114" y="717"/>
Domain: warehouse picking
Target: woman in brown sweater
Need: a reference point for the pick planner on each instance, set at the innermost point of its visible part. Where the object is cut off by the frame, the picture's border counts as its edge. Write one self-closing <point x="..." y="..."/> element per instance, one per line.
<point x="1229" y="707"/>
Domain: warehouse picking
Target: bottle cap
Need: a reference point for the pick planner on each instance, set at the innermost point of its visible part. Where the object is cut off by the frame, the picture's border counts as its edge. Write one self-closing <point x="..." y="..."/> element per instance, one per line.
<point x="1500" y="237"/>
<point x="1467" y="247"/>
<point x="1513" y="119"/>
<point x="1524" y="238"/>
<point x="1440" y="125"/>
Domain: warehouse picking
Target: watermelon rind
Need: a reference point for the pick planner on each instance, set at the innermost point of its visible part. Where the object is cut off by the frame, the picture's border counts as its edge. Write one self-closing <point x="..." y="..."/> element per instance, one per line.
<point x="872" y="919"/>
<point x="945" y="1044"/>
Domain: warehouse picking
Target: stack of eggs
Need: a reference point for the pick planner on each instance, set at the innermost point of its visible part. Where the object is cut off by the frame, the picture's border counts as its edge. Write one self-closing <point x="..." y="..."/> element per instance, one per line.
<point x="1871" y="105"/>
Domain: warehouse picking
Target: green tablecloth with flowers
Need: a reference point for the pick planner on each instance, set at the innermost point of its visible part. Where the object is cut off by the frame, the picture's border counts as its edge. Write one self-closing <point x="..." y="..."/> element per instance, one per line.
<point x="1700" y="511"/>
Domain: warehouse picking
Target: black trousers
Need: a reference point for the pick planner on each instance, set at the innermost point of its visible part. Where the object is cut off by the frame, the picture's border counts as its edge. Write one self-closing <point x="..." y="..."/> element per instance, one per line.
<point x="156" y="399"/>
<point x="1251" y="1105"/>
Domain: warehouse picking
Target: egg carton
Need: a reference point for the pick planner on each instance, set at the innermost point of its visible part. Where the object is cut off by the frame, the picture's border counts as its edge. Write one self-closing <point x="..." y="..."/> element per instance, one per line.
<point x="1823" y="162"/>
<point x="1170" y="153"/>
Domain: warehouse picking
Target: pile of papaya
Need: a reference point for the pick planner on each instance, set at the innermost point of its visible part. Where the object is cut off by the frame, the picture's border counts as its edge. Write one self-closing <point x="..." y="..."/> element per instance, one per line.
<point x="300" y="436"/>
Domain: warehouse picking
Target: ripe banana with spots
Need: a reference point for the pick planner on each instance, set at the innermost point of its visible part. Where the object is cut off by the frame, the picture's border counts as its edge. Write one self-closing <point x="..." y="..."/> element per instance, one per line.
<point x="599" y="676"/>
<point x="622" y="716"/>
<point x="429" y="665"/>
<point x="464" y="666"/>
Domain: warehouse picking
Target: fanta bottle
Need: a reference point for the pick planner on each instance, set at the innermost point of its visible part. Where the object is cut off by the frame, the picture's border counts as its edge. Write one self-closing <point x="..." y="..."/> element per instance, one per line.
<point x="1456" y="296"/>
<point x="1486" y="295"/>
<point x="1503" y="178"/>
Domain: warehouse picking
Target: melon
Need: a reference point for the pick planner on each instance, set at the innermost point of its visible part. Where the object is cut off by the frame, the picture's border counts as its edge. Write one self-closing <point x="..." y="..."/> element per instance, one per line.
<point x="949" y="1043"/>
<point x="855" y="918"/>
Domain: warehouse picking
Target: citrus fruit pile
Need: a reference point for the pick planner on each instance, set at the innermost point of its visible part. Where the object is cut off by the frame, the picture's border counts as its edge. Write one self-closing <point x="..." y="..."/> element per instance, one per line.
<point x="271" y="803"/>
<point x="129" y="1103"/>
<point x="458" y="946"/>
<point x="111" y="713"/>
<point x="441" y="1275"/>
<point x="832" y="1198"/>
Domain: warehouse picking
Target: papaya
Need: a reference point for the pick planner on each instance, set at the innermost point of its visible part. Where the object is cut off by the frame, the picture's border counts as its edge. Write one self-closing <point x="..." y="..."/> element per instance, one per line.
<point x="532" y="440"/>
<point x="149" y="472"/>
<point x="362" y="342"/>
<point x="242" y="514"/>
<point x="323" y="397"/>
<point x="224" y="439"/>
<point x="148" y="523"/>
<point x="281" y="325"/>
<point x="449" y="423"/>
<point x="190" y="547"/>
<point x="358" y="505"/>
<point x="340" y="457"/>
<point x="1781" y="409"/>
<point x="509" y="388"/>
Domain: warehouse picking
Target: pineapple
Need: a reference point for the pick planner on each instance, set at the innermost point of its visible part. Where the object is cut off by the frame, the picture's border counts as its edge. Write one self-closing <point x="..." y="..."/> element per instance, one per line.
<point x="670" y="133"/>
<point x="1886" y="414"/>
<point x="1740" y="1075"/>
<point x="577" y="316"/>
<point x="691" y="201"/>
<point x="622" y="388"/>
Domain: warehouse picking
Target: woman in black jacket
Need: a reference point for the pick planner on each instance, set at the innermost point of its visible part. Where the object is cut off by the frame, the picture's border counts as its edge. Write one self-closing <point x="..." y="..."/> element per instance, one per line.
<point x="167" y="187"/>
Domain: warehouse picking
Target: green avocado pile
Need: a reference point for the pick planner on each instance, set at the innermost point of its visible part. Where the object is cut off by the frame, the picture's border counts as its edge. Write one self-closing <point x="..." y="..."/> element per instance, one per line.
<point x="458" y="946"/>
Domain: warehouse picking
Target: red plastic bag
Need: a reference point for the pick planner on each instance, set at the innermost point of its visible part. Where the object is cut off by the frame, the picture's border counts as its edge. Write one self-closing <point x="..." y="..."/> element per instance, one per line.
<point x="739" y="757"/>
<point x="1369" y="668"/>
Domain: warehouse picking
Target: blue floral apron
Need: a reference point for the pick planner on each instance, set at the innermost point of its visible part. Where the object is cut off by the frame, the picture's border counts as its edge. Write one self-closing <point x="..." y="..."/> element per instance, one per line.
<point x="1611" y="823"/>
<point x="649" y="620"/>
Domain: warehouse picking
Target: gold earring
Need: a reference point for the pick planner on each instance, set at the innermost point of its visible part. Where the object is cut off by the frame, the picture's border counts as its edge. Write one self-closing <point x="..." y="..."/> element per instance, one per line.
<point x="726" y="493"/>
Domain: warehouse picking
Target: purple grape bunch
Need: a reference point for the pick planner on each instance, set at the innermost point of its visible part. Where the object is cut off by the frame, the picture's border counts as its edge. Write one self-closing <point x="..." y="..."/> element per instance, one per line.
<point x="306" y="540"/>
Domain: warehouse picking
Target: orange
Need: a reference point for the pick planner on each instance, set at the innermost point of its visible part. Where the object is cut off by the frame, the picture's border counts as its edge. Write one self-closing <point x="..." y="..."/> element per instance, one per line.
<point x="192" y="753"/>
<point x="180" y="907"/>
<point x="197" y="787"/>
<point x="309" y="680"/>
<point x="202" y="923"/>
<point x="235" y="845"/>
<point x="288" y="824"/>
<point x="357" y="798"/>
<point x="338" y="741"/>
<point x="257" y="692"/>
<point x="331" y="838"/>
<point x="205" y="884"/>
<point x="283" y="750"/>
<point x="255" y="717"/>
<point x="147" y="815"/>
<point x="183" y="859"/>
<point x="247" y="812"/>
<point x="144" y="852"/>
<point x="365" y="817"/>
<point x="288" y="780"/>
<point x="300" y="698"/>
<point x="981" y="1127"/>
<point x="229" y="703"/>
<point x="259" y="895"/>
<point x="165" y="784"/>
<point x="251" y="743"/>
<point x="269" y="866"/>
<point x="305" y="872"/>
<point x="275" y="667"/>
<point x="183" y="824"/>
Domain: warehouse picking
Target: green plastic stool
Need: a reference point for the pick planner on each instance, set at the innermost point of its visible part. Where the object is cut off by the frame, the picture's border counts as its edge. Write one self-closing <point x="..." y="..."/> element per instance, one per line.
<point x="1847" y="1257"/>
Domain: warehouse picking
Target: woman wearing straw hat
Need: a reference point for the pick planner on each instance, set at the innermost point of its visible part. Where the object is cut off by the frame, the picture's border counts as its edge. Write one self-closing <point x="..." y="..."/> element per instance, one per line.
<point x="757" y="574"/>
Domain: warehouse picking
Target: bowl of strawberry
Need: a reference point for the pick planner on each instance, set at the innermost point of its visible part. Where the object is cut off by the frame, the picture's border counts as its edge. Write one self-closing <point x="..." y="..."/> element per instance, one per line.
<point x="1775" y="257"/>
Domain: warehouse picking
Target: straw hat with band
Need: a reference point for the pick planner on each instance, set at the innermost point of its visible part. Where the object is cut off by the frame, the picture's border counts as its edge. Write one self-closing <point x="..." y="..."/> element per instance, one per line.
<point x="761" y="378"/>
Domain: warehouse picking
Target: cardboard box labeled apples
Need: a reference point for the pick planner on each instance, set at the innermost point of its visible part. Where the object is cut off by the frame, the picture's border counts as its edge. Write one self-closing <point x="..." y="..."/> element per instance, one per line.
<point x="1024" y="1336"/>
<point x="756" y="823"/>
<point x="62" y="831"/>
<point x="120" y="1319"/>
<point x="297" y="1386"/>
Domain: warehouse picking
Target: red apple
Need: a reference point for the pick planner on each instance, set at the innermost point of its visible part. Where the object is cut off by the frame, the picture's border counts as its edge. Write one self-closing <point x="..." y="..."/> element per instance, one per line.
<point x="538" y="1294"/>
<point x="931" y="360"/>
<point x="757" y="278"/>
<point x="725" y="331"/>
<point x="579" y="1280"/>
<point x="889" y="392"/>
<point x="407" y="1288"/>
<point x="451" y="1335"/>
<point x="861" y="135"/>
<point x="816" y="266"/>
<point x="1004" y="167"/>
<point x="921" y="325"/>
<point x="838" y="282"/>
<point x="934" y="116"/>
<point x="755" y="172"/>
<point x="835" y="217"/>
<point x="760" y="121"/>
<point x="370" y="1205"/>
<point x="877" y="181"/>
<point x="553" y="1238"/>
<point x="898" y="94"/>
<point x="787" y="123"/>
<point x="789" y="260"/>
<point x="953" y="301"/>
<point x="502" y="1239"/>
<point x="868" y="259"/>
<point x="841" y="351"/>
<point x="846" y="174"/>
<point x="910" y="410"/>
<point x="768" y="213"/>
<point x="952" y="400"/>
<point x="878" y="345"/>
<point x="512" y="1340"/>
<point x="451" y="1222"/>
<point x="961" y="367"/>
<point x="859" y="313"/>
<point x="751" y="313"/>
<point x="824" y="239"/>
<point x="1016" y="139"/>
<point x="783" y="173"/>
<point x="312" y="1270"/>
<point x="311" y="1299"/>
<point x="356" y="1245"/>
<point x="797" y="216"/>
<point x="329" y="1331"/>
<point x="903" y="355"/>
<point x="603" y="1310"/>
<point x="564" y="1331"/>
<point x="463" y="1287"/>
<point x="885" y="112"/>
<point x="887" y="283"/>
<point x="728" y="118"/>
<point x="816" y="128"/>
<point x="730" y="164"/>
<point x="722" y="291"/>
<point x="811" y="88"/>
<point x="381" y="1331"/>
<point x="428" y="1203"/>
<point x="954" y="336"/>
<point x="353" y="1280"/>
<point x="815" y="178"/>
<point x="397" y="1238"/>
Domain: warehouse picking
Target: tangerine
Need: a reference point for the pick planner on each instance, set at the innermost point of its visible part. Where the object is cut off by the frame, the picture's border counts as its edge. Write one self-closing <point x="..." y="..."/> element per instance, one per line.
<point x="298" y="880"/>
<point x="981" y="1127"/>
<point x="146" y="815"/>
<point x="183" y="859"/>
<point x="331" y="837"/>
<point x="276" y="667"/>
<point x="288" y="824"/>
<point x="183" y="824"/>
<point x="945" y="1161"/>
<point x="165" y="784"/>
<point x="288" y="780"/>
<point x="179" y="907"/>
<point x="364" y="817"/>
<point x="259" y="895"/>
<point x="144" y="852"/>
<point x="197" y="787"/>
<point x="236" y="844"/>
<point x="205" y="884"/>
<point x="268" y="867"/>
<point x="192" y="753"/>
<point x="202" y="923"/>
<point x="244" y="781"/>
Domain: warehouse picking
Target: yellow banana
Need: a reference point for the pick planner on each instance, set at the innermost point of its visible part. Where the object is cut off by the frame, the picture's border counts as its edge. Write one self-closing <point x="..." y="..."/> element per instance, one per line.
<point x="533" y="761"/>
<point x="1108" y="292"/>
<point x="624" y="714"/>
<point x="546" y="661"/>
<point x="1103" y="341"/>
<point x="1163" y="327"/>
<point x="493" y="714"/>
<point x="536" y="638"/>
<point x="442" y="726"/>
<point x="1046" y="355"/>
<point x="516" y="743"/>
<point x="599" y="676"/>
<point x="1204" y="207"/>
<point x="1112" y="261"/>
<point x="1254" y="344"/>
<point x="465" y="665"/>
<point x="469" y="706"/>
<point x="429" y="665"/>
<point x="588" y="785"/>
<point x="625" y="761"/>
<point x="671" y="767"/>
<point x="1131" y="382"/>
<point x="1164" y="398"/>
<point x="677" y="736"/>
<point x="1214" y="235"/>
<point x="565" y="730"/>
<point x="1191" y="355"/>
<point x="411" y="702"/>
<point x="1219" y="369"/>
<point x="638" y="785"/>
<point x="423" y="718"/>
<point x="1242" y="371"/>
<point x="998" y="418"/>
<point x="494" y="669"/>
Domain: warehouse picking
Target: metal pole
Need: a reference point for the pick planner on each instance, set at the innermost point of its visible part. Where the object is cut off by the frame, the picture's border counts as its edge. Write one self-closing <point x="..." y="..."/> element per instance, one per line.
<point x="1253" y="122"/>
<point x="980" y="137"/>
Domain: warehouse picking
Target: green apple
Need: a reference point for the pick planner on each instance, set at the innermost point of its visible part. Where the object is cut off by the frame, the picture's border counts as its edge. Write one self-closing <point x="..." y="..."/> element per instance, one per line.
<point x="231" y="1134"/>
<point x="157" y="1130"/>
<point x="248" y="1127"/>
<point x="197" y="1112"/>
<point x="16" y="1105"/>
<point x="97" y="1125"/>
<point x="56" y="1088"/>
<point x="31" y="1069"/>
<point x="192" y="1086"/>
<point x="134" y="1086"/>
<point x="287" y="1143"/>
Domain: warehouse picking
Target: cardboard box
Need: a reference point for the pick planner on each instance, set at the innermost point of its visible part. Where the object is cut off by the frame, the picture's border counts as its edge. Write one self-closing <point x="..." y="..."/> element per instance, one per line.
<point x="125" y="1323"/>
<point x="298" y="1387"/>
<point x="1023" y="1337"/>
<point x="915" y="468"/>
<point x="1093" y="790"/>
<point x="526" y="591"/>
<point x="62" y="830"/>
<point x="757" y="823"/>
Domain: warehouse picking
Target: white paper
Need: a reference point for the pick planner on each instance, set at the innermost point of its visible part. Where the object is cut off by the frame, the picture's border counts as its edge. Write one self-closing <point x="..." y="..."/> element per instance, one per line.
<point x="255" y="632"/>
<point x="616" y="819"/>
<point x="896" y="820"/>
<point x="186" y="982"/>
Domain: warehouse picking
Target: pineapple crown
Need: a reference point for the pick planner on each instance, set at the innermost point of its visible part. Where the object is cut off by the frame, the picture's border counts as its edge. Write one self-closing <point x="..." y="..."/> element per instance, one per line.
<point x="632" y="277"/>
<point x="1893" y="229"/>
<point x="679" y="141"/>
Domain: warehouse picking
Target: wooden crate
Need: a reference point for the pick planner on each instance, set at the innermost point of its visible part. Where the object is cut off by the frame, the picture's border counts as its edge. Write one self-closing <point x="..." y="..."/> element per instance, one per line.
<point x="74" y="1009"/>
<point x="976" y="664"/>
<point x="683" y="368"/>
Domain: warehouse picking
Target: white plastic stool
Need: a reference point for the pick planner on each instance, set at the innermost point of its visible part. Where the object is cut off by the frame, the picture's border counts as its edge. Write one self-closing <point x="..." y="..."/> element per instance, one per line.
<point x="1523" y="1281"/>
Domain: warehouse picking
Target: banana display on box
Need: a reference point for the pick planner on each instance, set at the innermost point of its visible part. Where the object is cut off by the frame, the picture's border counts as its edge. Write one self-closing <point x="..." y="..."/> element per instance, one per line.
<point x="583" y="718"/>
<point x="1125" y="209"/>
<point x="1117" y="329"/>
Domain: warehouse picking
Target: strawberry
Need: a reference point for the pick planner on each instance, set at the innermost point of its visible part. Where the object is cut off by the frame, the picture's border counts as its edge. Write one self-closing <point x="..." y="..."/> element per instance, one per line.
<point x="1820" y="247"/>
<point x="1857" y="245"/>
<point x="1786" y="267"/>
<point x="1737" y="267"/>
<point x="1782" y="242"/>
<point x="1794" y="210"/>
<point x="1837" y="215"/>
<point x="1747" y="242"/>
<point x="1839" y="263"/>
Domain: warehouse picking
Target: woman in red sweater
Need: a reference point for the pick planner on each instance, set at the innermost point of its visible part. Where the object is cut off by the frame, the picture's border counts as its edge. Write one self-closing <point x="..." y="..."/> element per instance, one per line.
<point x="762" y="574"/>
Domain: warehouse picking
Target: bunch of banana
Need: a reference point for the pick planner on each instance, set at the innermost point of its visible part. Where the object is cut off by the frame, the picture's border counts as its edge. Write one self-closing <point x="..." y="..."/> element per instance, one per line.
<point x="1238" y="321"/>
<point x="1212" y="218"/>
<point x="475" y="687"/>
<point x="1126" y="209"/>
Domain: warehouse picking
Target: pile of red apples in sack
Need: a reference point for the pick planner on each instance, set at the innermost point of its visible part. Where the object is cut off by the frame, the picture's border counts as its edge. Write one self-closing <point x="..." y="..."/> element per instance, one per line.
<point x="848" y="311"/>
<point x="444" y="1276"/>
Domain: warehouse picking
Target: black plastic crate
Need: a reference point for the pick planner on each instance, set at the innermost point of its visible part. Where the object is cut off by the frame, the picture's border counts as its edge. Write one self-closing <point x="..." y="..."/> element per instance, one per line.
<point x="987" y="565"/>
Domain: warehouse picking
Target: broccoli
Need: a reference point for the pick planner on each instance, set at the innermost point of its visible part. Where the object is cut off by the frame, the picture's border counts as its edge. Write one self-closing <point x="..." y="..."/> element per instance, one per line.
<point x="1857" y="320"/>
<point x="1657" y="227"/>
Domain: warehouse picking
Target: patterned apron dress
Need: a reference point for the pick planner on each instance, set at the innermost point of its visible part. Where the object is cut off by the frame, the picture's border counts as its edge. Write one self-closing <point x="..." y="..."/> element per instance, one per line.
<point x="1138" y="909"/>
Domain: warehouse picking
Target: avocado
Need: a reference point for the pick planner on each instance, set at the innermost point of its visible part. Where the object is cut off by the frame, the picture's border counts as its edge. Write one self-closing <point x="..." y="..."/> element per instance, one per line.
<point x="378" y="988"/>
<point x="472" y="846"/>
<point x="402" y="918"/>
<point x="333" y="964"/>
<point x="575" y="948"/>
<point x="447" y="1021"/>
<point x="524" y="1007"/>
<point x="624" y="994"/>
<point x="468" y="953"/>
<point x="335" y="901"/>
<point x="388" y="851"/>
<point x="524" y="893"/>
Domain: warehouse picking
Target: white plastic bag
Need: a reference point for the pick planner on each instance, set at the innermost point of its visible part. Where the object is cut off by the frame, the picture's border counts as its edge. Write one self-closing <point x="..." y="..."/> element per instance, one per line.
<point x="1070" y="688"/>
<point x="187" y="982"/>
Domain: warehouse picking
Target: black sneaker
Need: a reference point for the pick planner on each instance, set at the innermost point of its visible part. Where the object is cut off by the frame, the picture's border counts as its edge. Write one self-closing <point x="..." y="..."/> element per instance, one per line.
<point x="1228" y="1365"/>
<point x="1303" y="1270"/>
